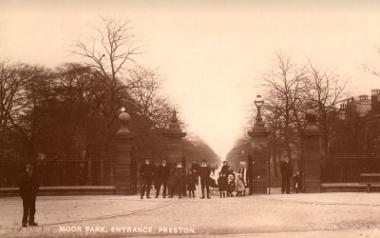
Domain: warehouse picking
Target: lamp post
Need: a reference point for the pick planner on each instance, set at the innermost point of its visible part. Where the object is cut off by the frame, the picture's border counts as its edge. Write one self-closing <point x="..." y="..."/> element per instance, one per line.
<point x="259" y="102"/>
<point x="259" y="137"/>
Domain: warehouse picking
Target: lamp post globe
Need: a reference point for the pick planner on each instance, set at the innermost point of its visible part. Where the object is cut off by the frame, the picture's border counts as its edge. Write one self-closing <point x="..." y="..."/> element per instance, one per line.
<point x="259" y="102"/>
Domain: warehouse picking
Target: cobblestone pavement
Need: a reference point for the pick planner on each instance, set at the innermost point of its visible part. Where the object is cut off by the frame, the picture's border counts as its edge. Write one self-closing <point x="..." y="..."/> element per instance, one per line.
<point x="294" y="215"/>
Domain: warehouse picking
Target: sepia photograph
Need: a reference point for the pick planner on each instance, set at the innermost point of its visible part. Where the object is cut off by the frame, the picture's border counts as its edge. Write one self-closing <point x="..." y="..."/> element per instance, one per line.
<point x="203" y="118"/>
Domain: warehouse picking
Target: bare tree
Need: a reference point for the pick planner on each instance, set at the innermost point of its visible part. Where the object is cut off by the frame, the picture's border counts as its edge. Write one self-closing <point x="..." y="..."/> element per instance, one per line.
<point x="147" y="95"/>
<point x="110" y="50"/>
<point x="12" y="98"/>
<point x="285" y="89"/>
<point x="24" y="89"/>
<point x="11" y="84"/>
<point x="109" y="53"/>
<point x="326" y="90"/>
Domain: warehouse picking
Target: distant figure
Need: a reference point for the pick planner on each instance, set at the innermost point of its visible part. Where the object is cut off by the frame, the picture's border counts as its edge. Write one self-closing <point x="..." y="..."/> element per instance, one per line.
<point x="230" y="185"/>
<point x="204" y="173"/>
<point x="297" y="182"/>
<point x="286" y="174"/>
<point x="147" y="173"/>
<point x="243" y="171"/>
<point x="240" y="187"/>
<point x="162" y="178"/>
<point x="195" y="167"/>
<point x="191" y="181"/>
<point x="29" y="187"/>
<point x="222" y="183"/>
<point x="178" y="178"/>
<point x="225" y="168"/>
<point x="155" y="179"/>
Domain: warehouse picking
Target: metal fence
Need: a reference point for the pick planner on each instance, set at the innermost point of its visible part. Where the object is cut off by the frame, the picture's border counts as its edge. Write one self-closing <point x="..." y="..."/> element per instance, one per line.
<point x="347" y="168"/>
<point x="69" y="172"/>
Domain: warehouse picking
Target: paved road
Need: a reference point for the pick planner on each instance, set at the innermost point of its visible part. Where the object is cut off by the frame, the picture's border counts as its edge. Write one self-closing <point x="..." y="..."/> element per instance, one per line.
<point x="294" y="215"/>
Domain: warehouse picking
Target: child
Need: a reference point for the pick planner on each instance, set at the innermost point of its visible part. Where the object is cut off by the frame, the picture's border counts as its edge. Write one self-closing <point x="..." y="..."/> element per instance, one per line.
<point x="222" y="184"/>
<point x="240" y="188"/>
<point x="191" y="181"/>
<point x="230" y="185"/>
<point x="297" y="182"/>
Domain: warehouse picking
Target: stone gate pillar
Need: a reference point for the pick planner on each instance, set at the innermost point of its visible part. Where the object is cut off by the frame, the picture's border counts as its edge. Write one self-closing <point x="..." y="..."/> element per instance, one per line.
<point x="174" y="137"/>
<point x="311" y="162"/>
<point x="123" y="174"/>
<point x="259" y="142"/>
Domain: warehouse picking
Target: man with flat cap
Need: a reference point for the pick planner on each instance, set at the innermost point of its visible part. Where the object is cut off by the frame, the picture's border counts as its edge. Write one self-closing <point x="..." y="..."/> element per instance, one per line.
<point x="204" y="174"/>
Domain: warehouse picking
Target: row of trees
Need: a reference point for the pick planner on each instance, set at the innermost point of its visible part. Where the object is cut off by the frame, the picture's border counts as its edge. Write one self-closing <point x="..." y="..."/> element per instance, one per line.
<point x="71" y="111"/>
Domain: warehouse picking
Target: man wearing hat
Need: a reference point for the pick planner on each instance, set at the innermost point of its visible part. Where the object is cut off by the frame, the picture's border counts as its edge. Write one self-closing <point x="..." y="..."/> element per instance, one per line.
<point x="29" y="186"/>
<point x="204" y="173"/>
<point x="286" y="174"/>
<point x="178" y="178"/>
<point x="147" y="173"/>
<point x="162" y="177"/>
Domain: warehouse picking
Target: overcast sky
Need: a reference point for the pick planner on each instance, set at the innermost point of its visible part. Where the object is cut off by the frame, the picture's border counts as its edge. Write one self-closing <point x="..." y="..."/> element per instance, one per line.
<point x="211" y="53"/>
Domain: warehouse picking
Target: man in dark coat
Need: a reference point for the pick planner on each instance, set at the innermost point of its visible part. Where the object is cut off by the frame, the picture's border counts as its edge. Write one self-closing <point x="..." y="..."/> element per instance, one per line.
<point x="178" y="177"/>
<point x="29" y="186"/>
<point x="286" y="174"/>
<point x="204" y="173"/>
<point x="147" y="173"/>
<point x="162" y="177"/>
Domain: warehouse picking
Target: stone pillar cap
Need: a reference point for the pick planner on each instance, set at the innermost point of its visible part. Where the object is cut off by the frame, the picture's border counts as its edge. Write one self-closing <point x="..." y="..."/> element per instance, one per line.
<point x="174" y="130"/>
<point x="258" y="130"/>
<point x="124" y="118"/>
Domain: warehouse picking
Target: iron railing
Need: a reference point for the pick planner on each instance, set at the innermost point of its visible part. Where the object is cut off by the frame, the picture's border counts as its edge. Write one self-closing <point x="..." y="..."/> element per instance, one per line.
<point x="347" y="168"/>
<point x="68" y="172"/>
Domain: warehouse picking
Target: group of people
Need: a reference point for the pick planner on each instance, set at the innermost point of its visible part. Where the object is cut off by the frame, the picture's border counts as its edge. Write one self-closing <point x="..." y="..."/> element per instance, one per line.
<point x="230" y="182"/>
<point x="175" y="180"/>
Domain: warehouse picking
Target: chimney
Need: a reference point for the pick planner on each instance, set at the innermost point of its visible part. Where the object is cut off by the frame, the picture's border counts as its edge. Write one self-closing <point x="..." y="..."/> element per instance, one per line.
<point x="363" y="98"/>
